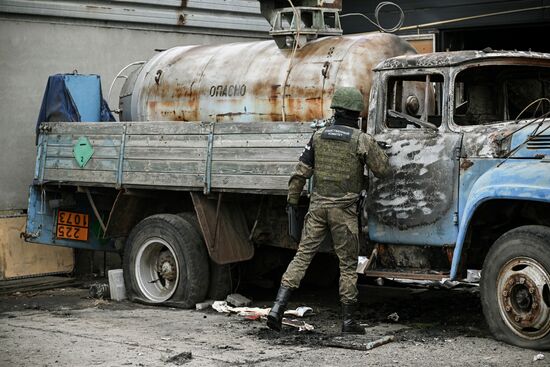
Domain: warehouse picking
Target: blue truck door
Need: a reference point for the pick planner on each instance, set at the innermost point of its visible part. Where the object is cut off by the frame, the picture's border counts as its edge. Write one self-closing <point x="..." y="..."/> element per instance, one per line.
<point x="417" y="203"/>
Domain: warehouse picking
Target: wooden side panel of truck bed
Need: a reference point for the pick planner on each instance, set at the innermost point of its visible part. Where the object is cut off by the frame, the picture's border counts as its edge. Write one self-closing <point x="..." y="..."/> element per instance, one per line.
<point x="238" y="157"/>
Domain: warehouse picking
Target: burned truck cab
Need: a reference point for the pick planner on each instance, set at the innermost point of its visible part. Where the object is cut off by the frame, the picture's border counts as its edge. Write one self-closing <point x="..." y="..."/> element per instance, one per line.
<point x="470" y="185"/>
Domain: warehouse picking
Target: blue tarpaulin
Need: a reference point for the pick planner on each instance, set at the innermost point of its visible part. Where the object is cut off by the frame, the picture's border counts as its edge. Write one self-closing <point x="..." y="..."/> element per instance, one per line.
<point x="73" y="97"/>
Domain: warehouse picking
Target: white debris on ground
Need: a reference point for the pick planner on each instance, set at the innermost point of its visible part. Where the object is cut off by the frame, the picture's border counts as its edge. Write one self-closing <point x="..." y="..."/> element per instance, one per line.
<point x="538" y="357"/>
<point x="393" y="317"/>
<point x="257" y="313"/>
<point x="223" y="306"/>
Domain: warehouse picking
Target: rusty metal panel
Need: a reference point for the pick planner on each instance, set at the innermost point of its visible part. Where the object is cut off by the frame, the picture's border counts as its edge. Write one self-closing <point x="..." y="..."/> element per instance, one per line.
<point x="193" y="83"/>
<point x="422" y="43"/>
<point x="224" y="228"/>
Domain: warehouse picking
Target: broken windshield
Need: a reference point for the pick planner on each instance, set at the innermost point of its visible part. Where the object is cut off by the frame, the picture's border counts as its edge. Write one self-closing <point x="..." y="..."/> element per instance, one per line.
<point x="496" y="93"/>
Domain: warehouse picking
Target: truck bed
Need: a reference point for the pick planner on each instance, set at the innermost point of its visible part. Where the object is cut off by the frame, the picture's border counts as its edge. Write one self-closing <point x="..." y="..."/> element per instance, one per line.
<point x="235" y="157"/>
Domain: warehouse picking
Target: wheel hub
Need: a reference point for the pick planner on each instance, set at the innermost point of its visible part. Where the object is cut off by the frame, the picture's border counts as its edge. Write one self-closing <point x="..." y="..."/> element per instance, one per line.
<point x="156" y="269"/>
<point x="166" y="266"/>
<point x="521" y="286"/>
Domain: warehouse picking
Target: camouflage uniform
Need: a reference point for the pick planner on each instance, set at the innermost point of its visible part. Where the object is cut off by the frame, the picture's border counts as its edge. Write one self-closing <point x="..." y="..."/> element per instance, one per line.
<point x="335" y="157"/>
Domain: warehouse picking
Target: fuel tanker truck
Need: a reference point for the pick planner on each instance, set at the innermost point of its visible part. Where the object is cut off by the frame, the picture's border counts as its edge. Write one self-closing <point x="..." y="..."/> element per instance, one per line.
<point x="190" y="186"/>
<point x="255" y="81"/>
<point x="194" y="177"/>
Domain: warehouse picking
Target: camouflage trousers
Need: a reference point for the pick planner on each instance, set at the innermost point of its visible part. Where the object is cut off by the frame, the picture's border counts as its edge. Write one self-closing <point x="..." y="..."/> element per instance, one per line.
<point x="342" y="224"/>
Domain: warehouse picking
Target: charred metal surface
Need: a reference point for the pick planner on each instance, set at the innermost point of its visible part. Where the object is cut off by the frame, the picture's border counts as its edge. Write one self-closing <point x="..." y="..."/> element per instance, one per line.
<point x="420" y="190"/>
<point x="486" y="141"/>
<point x="195" y="84"/>
<point x="465" y="164"/>
<point x="407" y="274"/>
<point x="446" y="59"/>
<point x="411" y="257"/>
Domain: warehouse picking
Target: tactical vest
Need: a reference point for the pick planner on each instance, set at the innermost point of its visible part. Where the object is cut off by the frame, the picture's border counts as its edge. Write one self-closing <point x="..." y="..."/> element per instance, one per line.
<point x="338" y="170"/>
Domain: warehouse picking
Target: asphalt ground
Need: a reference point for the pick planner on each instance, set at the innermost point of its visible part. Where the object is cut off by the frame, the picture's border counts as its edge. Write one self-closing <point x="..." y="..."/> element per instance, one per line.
<point x="429" y="327"/>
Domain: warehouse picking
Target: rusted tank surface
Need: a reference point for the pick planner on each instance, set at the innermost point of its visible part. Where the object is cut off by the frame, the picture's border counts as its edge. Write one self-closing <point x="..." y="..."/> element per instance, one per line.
<point x="245" y="82"/>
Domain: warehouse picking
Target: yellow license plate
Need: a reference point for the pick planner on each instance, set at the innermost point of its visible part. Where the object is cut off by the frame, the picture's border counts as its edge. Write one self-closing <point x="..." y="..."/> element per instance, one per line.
<point x="72" y="226"/>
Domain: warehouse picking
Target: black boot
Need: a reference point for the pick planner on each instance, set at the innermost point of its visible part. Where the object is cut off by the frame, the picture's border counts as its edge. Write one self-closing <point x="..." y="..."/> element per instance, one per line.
<point x="275" y="316"/>
<point x="349" y="325"/>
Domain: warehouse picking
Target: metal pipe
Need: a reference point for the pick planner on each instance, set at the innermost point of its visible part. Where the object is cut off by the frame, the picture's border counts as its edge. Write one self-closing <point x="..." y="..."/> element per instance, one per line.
<point x="94" y="208"/>
<point x="454" y="20"/>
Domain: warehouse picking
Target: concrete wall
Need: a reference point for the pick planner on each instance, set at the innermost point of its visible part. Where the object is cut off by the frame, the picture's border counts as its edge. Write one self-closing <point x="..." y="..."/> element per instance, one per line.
<point x="31" y="49"/>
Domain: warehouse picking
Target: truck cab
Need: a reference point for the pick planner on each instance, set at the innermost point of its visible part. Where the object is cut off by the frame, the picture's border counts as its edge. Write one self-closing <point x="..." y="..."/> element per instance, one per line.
<point x="470" y="187"/>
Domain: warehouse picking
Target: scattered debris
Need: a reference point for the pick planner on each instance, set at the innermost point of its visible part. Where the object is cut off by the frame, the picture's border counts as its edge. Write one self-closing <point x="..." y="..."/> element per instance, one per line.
<point x="17" y="286"/>
<point x="181" y="358"/>
<point x="473" y="276"/>
<point x="116" y="284"/>
<point x="257" y="313"/>
<point x="362" y="262"/>
<point x="300" y="325"/>
<point x="538" y="357"/>
<point x="393" y="317"/>
<point x="355" y="345"/>
<point x="204" y="305"/>
<point x="99" y="291"/>
<point x="222" y="306"/>
<point x="300" y="311"/>
<point x="238" y="300"/>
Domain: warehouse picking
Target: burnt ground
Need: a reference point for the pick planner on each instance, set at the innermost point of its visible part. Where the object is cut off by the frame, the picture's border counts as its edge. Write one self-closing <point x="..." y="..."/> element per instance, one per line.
<point x="435" y="327"/>
<point x="423" y="315"/>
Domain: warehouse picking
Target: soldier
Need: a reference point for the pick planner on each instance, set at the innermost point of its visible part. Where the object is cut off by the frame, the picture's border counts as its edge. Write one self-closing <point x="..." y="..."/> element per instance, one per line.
<point x="335" y="156"/>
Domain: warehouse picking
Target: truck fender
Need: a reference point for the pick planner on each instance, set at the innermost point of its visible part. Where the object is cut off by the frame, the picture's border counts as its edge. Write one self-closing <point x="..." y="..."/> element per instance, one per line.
<point x="513" y="180"/>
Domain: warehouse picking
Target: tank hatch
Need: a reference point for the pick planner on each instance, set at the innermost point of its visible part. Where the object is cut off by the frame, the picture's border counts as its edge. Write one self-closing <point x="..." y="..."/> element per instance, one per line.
<point x="305" y="21"/>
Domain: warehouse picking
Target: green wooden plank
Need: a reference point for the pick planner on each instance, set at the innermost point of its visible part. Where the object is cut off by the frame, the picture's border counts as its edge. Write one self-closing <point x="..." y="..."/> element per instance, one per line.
<point x="80" y="176"/>
<point x="256" y="182"/>
<point x="94" y="164"/>
<point x="167" y="128"/>
<point x="86" y="128"/>
<point x="269" y="154"/>
<point x="262" y="128"/>
<point x="153" y="179"/>
<point x="253" y="168"/>
<point x="164" y="166"/>
<point x="67" y="152"/>
<point x="185" y="141"/>
<point x="95" y="140"/>
<point x="165" y="153"/>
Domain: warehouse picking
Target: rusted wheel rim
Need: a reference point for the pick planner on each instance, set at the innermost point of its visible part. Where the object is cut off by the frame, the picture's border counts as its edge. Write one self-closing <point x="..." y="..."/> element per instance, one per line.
<point x="157" y="270"/>
<point x="523" y="297"/>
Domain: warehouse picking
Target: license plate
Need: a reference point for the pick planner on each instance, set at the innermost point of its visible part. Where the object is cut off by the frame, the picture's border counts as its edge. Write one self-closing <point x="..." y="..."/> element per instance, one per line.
<point x="72" y="226"/>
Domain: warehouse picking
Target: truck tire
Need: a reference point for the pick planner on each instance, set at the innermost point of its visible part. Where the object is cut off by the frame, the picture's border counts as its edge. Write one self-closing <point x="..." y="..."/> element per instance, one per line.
<point x="166" y="262"/>
<point x="220" y="275"/>
<point x="515" y="287"/>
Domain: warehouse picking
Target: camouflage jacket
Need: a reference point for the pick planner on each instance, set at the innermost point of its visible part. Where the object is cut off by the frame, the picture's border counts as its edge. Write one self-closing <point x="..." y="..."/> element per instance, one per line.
<point x="338" y="152"/>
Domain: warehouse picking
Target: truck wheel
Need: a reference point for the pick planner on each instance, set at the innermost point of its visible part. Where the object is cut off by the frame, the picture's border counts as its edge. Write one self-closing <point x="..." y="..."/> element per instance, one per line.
<point x="166" y="260"/>
<point x="220" y="275"/>
<point x="515" y="287"/>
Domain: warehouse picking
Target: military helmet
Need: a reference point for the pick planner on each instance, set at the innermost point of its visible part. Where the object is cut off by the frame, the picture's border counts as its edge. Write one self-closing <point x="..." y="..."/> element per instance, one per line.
<point x="348" y="98"/>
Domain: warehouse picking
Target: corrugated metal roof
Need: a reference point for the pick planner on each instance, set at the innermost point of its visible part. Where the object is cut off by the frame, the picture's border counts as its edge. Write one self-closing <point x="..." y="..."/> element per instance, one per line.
<point x="228" y="15"/>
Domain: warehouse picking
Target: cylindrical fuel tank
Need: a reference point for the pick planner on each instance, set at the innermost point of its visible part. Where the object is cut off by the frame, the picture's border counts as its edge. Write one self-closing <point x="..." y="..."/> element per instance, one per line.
<point x="245" y="82"/>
